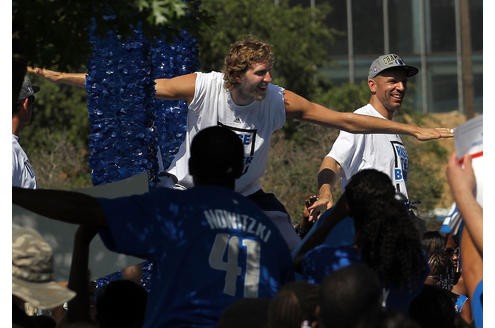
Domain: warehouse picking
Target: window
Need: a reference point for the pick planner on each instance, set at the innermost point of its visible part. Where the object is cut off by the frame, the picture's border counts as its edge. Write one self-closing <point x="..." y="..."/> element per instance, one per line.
<point x="367" y="20"/>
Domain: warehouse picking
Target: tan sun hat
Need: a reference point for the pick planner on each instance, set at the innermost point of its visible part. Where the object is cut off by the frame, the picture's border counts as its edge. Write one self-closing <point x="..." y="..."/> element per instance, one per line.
<point x="32" y="270"/>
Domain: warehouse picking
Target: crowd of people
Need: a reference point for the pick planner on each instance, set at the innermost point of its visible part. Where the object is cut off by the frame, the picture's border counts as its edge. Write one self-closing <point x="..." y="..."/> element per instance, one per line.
<point x="224" y="253"/>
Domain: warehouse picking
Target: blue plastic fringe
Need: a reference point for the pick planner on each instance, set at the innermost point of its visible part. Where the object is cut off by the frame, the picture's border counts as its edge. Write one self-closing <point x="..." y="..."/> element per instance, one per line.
<point x="127" y="123"/>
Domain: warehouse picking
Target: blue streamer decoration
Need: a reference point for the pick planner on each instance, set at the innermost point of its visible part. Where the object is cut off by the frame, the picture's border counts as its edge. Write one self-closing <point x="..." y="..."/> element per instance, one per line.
<point x="127" y="123"/>
<point x="172" y="59"/>
<point x="120" y="88"/>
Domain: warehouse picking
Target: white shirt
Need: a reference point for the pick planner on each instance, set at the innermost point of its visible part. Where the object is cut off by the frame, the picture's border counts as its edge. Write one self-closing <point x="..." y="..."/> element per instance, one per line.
<point x="22" y="171"/>
<point x="254" y="124"/>
<point x="382" y="152"/>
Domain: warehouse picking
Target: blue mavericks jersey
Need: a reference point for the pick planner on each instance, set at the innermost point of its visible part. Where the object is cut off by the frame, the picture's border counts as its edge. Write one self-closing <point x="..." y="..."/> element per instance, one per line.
<point x="341" y="235"/>
<point x="323" y="260"/>
<point x="209" y="246"/>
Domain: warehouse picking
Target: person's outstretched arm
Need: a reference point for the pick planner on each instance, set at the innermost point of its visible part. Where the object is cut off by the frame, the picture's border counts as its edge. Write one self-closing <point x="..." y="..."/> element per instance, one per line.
<point x="176" y="88"/>
<point x="74" y="79"/>
<point x="299" y="107"/>
<point x="462" y="182"/>
<point x="66" y="206"/>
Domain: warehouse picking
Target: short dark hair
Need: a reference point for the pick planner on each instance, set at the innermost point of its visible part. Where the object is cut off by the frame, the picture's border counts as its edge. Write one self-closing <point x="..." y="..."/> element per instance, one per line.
<point x="217" y="152"/>
<point x="121" y="303"/>
<point x="350" y="297"/>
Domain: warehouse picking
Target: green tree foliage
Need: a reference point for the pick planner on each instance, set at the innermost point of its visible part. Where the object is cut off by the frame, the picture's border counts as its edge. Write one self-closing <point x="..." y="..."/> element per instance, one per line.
<point x="345" y="98"/>
<point x="296" y="33"/>
<point x="55" y="33"/>
<point x="56" y="140"/>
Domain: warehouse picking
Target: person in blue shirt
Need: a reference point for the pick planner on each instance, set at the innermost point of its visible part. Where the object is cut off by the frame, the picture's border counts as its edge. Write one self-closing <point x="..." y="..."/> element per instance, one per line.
<point x="209" y="245"/>
<point x="386" y="239"/>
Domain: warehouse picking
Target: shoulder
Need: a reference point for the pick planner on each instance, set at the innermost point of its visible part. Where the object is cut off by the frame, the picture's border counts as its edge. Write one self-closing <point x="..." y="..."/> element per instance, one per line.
<point x="275" y="94"/>
<point x="366" y="110"/>
<point x="15" y="141"/>
<point x="210" y="76"/>
<point x="211" y="83"/>
<point x="275" y="88"/>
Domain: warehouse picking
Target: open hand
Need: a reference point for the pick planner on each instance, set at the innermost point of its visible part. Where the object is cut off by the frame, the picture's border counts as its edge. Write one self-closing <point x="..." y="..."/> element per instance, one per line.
<point x="424" y="134"/>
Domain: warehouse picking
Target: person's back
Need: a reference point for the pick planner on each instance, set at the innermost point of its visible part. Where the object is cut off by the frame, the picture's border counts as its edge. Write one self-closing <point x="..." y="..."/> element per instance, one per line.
<point x="209" y="245"/>
<point x="207" y="252"/>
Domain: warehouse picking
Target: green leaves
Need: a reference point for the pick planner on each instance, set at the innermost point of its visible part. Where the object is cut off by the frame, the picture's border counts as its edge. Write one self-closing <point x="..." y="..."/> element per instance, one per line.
<point x="298" y="36"/>
<point x="162" y="12"/>
<point x="55" y="33"/>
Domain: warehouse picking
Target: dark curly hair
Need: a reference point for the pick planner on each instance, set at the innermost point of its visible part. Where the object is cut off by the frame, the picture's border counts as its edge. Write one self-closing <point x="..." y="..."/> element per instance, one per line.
<point x="442" y="270"/>
<point x="385" y="231"/>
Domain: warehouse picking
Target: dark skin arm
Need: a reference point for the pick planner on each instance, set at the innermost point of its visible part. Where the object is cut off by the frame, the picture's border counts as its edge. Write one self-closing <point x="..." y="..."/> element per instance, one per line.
<point x="79" y="275"/>
<point x="66" y="206"/>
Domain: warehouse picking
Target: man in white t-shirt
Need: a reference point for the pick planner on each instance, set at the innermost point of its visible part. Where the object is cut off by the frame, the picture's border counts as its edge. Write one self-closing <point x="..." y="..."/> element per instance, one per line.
<point x="243" y="99"/>
<point x="351" y="153"/>
<point x="22" y="171"/>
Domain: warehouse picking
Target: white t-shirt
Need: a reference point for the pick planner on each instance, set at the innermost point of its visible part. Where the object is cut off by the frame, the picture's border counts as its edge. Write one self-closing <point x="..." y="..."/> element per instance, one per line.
<point x="254" y="123"/>
<point x="383" y="152"/>
<point x="22" y="171"/>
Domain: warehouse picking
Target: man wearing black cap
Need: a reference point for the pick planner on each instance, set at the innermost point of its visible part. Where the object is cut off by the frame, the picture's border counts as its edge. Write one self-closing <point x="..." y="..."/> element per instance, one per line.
<point x="22" y="171"/>
<point x="387" y="81"/>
